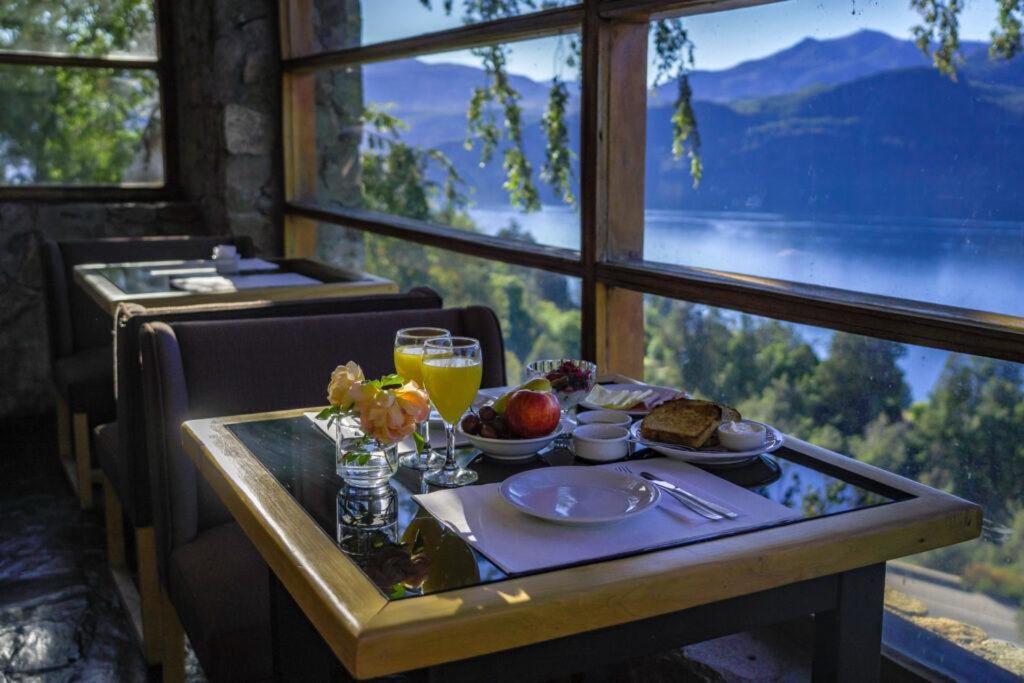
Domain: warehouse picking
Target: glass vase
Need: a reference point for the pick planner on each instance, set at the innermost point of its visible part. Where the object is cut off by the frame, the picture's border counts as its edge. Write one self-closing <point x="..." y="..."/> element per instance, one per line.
<point x="362" y="461"/>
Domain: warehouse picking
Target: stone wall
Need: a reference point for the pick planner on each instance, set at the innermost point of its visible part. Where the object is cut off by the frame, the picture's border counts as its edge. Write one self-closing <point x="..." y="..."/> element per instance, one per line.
<point x="24" y="351"/>
<point x="229" y="102"/>
<point x="228" y="84"/>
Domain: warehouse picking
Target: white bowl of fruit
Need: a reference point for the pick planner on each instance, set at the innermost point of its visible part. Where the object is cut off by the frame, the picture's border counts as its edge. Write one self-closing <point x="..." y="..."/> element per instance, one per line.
<point x="517" y="425"/>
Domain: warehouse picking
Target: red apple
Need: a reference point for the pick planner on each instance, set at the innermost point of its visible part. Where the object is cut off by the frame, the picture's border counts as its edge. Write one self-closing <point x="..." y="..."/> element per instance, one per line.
<point x="532" y="414"/>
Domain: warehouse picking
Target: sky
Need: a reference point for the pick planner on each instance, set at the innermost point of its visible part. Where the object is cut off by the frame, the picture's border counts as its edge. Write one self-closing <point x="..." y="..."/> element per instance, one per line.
<point x="722" y="39"/>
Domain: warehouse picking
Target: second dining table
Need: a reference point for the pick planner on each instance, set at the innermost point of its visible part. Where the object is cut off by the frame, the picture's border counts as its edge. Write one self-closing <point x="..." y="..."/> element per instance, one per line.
<point x="435" y="604"/>
<point x="186" y="283"/>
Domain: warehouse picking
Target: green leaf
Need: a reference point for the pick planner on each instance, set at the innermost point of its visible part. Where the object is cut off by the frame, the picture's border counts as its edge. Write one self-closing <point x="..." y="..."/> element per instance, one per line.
<point x="421" y="443"/>
<point x="328" y="412"/>
<point x="392" y="380"/>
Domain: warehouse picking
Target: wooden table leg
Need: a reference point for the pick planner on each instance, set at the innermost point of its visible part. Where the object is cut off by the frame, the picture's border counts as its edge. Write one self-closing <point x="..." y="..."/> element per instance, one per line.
<point x="83" y="459"/>
<point x="848" y="639"/>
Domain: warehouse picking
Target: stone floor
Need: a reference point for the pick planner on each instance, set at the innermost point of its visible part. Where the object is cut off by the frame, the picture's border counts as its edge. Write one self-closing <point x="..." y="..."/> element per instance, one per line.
<point x="60" y="619"/>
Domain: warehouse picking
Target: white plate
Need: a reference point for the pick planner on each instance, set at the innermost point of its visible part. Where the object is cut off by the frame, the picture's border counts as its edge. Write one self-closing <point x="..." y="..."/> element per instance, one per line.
<point x="630" y="387"/>
<point x="512" y="450"/>
<point x="714" y="454"/>
<point x="579" y="495"/>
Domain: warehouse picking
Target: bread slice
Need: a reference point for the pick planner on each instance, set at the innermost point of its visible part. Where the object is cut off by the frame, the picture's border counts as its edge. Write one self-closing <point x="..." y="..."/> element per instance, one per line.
<point x="683" y="421"/>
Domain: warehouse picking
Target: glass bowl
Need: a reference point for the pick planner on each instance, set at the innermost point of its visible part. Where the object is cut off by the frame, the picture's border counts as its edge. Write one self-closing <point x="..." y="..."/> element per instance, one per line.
<point x="571" y="379"/>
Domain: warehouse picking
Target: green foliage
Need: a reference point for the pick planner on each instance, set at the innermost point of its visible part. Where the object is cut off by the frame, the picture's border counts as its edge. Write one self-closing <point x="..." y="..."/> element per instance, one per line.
<point x="941" y="29"/>
<point x="674" y="58"/>
<point x="396" y="176"/>
<point x="557" y="169"/>
<point x="939" y="33"/>
<point x="61" y="125"/>
<point x="74" y="125"/>
<point x="1006" y="40"/>
<point x="84" y="27"/>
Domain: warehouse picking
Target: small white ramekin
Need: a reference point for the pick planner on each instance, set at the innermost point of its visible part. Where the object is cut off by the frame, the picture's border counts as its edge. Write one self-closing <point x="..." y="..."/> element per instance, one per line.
<point x="600" y="442"/>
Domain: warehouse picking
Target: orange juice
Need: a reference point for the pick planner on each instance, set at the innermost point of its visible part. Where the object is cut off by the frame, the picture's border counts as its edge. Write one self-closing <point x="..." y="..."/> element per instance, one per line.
<point x="408" y="363"/>
<point x="452" y="383"/>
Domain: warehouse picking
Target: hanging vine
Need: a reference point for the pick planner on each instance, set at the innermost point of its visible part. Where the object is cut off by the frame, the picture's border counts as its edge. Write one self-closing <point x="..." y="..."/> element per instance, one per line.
<point x="673" y="52"/>
<point x="938" y="35"/>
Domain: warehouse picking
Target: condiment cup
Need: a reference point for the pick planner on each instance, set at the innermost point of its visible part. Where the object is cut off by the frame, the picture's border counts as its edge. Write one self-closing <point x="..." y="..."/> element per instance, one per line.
<point x="600" y="442"/>
<point x="610" y="417"/>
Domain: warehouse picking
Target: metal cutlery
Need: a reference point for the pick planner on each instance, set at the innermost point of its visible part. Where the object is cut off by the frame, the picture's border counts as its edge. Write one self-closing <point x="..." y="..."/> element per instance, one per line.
<point x="720" y="509"/>
<point x="701" y="510"/>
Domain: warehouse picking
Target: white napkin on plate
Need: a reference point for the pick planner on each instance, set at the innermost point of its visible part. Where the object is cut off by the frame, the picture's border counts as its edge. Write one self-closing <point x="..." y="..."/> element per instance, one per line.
<point x="519" y="543"/>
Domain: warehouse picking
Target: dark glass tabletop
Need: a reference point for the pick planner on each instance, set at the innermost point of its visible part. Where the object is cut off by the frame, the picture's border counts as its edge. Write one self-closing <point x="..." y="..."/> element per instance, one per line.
<point x="413" y="554"/>
<point x="156" y="277"/>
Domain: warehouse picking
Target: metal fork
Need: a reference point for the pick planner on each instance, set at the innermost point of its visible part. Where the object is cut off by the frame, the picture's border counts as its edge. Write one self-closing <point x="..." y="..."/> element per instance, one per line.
<point x="701" y="510"/>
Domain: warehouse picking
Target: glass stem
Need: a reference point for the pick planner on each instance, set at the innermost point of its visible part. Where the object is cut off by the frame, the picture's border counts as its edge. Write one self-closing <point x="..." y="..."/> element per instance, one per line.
<point x="449" y="456"/>
<point x="423" y="429"/>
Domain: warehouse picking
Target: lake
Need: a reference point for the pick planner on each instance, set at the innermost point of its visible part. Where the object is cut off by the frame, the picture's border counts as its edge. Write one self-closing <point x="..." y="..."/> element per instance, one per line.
<point x="966" y="263"/>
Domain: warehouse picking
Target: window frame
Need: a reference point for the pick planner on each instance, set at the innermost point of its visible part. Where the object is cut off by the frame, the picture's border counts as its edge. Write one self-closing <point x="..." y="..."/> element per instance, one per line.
<point x="611" y="195"/>
<point x="163" y="66"/>
<point x="610" y="259"/>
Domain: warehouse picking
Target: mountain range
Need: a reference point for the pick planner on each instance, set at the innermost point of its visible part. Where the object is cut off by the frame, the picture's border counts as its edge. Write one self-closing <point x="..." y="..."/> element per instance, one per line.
<point x="860" y="125"/>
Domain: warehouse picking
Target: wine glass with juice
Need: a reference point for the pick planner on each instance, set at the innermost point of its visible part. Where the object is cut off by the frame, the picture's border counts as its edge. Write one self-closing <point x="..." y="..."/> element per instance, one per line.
<point x="408" y="356"/>
<point x="452" y="371"/>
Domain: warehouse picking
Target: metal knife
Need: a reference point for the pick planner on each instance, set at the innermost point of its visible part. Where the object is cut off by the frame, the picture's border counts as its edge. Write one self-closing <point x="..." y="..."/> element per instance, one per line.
<point x="724" y="511"/>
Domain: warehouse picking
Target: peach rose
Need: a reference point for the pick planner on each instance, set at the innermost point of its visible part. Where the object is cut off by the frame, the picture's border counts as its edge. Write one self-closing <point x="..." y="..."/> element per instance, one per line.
<point x="414" y="401"/>
<point x="390" y="416"/>
<point x="346" y="385"/>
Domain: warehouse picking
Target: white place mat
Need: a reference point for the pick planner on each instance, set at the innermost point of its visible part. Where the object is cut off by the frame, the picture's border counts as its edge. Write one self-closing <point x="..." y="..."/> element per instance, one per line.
<point x="231" y="283"/>
<point x="406" y="445"/>
<point x="519" y="543"/>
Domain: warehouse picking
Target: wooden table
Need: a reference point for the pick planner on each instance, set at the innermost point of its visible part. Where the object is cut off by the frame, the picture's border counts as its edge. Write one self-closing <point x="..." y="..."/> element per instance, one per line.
<point x="557" y="622"/>
<point x="110" y="285"/>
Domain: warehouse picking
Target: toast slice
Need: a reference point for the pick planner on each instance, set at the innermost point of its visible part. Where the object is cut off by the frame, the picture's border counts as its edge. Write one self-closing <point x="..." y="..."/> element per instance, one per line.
<point x="682" y="421"/>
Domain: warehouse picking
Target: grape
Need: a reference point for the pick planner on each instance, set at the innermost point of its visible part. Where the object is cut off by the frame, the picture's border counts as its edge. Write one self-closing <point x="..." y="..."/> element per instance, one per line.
<point x="471" y="424"/>
<point x="487" y="414"/>
<point x="488" y="432"/>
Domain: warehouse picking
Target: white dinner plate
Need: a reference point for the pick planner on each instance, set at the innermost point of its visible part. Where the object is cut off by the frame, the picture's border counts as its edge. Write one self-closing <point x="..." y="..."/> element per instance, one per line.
<point x="667" y="391"/>
<point x="579" y="495"/>
<point x="712" y="455"/>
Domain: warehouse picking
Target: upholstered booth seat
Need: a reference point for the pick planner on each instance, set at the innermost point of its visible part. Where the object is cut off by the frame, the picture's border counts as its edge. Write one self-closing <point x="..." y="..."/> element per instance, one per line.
<point x="218" y="583"/>
<point x="80" y="334"/>
<point x="122" y="447"/>
<point x="198" y="369"/>
<point x="86" y="381"/>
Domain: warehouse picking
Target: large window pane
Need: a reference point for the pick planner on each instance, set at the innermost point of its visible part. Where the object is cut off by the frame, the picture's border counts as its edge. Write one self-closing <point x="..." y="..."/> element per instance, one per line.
<point x="352" y="23"/>
<point x="834" y="153"/>
<point x="539" y="311"/>
<point x="952" y="421"/>
<point x="394" y="137"/>
<point x="79" y="27"/>
<point x="79" y="126"/>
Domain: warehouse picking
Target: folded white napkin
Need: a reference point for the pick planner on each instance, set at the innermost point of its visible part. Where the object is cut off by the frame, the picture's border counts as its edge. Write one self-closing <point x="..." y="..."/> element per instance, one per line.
<point x="231" y="283"/>
<point x="519" y="543"/>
